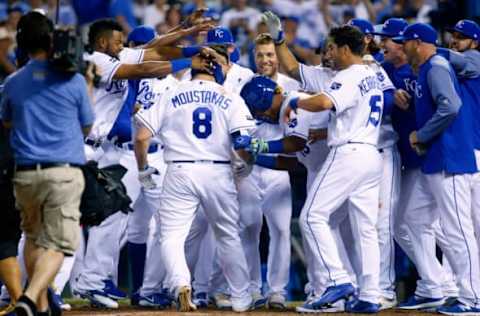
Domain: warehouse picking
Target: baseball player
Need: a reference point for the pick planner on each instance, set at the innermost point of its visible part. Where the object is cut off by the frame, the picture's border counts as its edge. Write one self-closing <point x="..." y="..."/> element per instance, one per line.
<point x="444" y="138"/>
<point x="152" y="292"/>
<point x="191" y="151"/>
<point x="95" y="280"/>
<point x="142" y="94"/>
<point x="267" y="192"/>
<point x="313" y="79"/>
<point x="465" y="40"/>
<point x="390" y="184"/>
<point x="204" y="281"/>
<point x="352" y="131"/>
<point x="403" y="121"/>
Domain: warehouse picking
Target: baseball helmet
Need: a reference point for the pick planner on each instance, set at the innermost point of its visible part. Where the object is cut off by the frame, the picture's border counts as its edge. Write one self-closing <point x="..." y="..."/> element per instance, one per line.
<point x="141" y="35"/>
<point x="258" y="93"/>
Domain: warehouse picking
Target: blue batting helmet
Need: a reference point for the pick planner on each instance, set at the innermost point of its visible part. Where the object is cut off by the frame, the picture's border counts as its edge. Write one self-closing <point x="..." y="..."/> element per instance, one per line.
<point x="258" y="93"/>
<point x="141" y="35"/>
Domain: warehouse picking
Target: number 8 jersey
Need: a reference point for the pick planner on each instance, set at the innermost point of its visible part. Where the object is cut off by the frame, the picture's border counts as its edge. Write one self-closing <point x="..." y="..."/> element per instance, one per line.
<point x="195" y="121"/>
<point x="358" y="103"/>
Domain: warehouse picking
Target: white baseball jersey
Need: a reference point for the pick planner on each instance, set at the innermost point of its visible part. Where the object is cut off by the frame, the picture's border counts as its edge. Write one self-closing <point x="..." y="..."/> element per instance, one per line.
<point x="110" y="95"/>
<point x="236" y="78"/>
<point x="315" y="79"/>
<point x="388" y="137"/>
<point x="275" y="131"/>
<point x="151" y="90"/>
<point x="358" y="102"/>
<point x="192" y="119"/>
<point x="299" y="123"/>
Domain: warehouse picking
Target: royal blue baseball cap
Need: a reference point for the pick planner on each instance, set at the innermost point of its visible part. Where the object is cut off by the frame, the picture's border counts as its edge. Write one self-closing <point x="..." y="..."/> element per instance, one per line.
<point x="392" y="27"/>
<point x="467" y="28"/>
<point x="220" y="35"/>
<point x="141" y="35"/>
<point x="363" y="25"/>
<point x="418" y="31"/>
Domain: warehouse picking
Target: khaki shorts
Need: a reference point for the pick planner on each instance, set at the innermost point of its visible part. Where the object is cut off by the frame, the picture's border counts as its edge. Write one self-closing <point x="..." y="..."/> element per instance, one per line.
<point x="49" y="202"/>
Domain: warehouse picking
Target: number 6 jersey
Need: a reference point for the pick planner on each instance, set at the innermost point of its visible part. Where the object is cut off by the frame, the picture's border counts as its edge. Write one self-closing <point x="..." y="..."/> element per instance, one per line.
<point x="358" y="103"/>
<point x="195" y="121"/>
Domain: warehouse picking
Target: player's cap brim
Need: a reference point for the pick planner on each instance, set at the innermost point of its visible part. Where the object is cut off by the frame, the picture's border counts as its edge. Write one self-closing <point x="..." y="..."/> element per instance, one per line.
<point x="456" y="30"/>
<point x="219" y="43"/>
<point x="382" y="34"/>
<point x="399" y="39"/>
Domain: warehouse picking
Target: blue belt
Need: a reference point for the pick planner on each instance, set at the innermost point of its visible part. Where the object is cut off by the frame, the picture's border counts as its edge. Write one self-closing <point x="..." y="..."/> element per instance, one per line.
<point x="93" y="143"/>
<point x="223" y="162"/>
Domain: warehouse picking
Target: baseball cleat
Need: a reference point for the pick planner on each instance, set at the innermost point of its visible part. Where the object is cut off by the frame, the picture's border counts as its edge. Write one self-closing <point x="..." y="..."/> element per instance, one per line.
<point x="112" y="290"/>
<point x="276" y="301"/>
<point x="156" y="300"/>
<point x="98" y="299"/>
<point x="184" y="299"/>
<point x="388" y="303"/>
<point x="458" y="308"/>
<point x="258" y="300"/>
<point x="200" y="299"/>
<point x="333" y="294"/>
<point x="418" y="302"/>
<point x="363" y="307"/>
<point x="307" y="307"/>
<point x="221" y="301"/>
<point x="134" y="299"/>
<point x="244" y="304"/>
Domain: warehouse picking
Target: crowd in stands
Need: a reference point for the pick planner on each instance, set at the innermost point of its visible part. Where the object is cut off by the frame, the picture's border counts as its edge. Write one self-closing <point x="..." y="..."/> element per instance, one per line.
<point x="306" y="22"/>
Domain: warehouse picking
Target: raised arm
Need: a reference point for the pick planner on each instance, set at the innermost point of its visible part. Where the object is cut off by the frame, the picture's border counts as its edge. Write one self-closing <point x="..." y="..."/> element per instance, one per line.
<point x="286" y="58"/>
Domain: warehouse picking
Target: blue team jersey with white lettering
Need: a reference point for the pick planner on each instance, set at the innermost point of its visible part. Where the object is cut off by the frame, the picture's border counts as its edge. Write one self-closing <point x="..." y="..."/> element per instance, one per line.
<point x="470" y="94"/>
<point x="452" y="150"/>
<point x="404" y="121"/>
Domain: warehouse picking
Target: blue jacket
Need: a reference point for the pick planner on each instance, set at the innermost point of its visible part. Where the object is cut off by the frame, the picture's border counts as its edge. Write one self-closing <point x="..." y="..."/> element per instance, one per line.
<point x="443" y="123"/>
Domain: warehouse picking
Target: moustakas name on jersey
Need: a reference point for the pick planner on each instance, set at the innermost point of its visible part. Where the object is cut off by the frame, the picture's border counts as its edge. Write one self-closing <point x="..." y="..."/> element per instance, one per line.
<point x="192" y="119"/>
<point x="358" y="103"/>
<point x="110" y="94"/>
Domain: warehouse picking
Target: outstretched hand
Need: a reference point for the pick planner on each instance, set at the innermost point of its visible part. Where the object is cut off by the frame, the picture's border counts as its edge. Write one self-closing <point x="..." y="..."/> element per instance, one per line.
<point x="274" y="26"/>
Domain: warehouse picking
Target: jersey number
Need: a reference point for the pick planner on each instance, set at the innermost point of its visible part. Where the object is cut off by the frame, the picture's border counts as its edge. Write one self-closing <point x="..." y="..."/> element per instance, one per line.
<point x="202" y="122"/>
<point x="375" y="110"/>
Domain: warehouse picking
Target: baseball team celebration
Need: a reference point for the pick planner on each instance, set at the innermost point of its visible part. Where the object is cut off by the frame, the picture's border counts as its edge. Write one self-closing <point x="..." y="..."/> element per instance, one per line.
<point x="301" y="156"/>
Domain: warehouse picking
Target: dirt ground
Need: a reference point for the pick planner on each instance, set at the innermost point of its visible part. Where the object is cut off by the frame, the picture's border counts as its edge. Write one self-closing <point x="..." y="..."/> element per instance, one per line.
<point x="128" y="311"/>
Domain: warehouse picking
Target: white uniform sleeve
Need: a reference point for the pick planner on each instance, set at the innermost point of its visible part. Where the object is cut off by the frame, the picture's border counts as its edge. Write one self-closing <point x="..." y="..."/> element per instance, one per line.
<point x="385" y="82"/>
<point x="342" y="91"/>
<point x="299" y="124"/>
<point x="106" y="66"/>
<point x="240" y="118"/>
<point x="131" y="56"/>
<point x="152" y="117"/>
<point x="315" y="79"/>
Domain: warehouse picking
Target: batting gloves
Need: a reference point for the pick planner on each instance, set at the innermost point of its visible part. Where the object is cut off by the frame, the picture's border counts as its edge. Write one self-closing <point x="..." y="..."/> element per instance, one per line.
<point x="274" y="26"/>
<point x="146" y="179"/>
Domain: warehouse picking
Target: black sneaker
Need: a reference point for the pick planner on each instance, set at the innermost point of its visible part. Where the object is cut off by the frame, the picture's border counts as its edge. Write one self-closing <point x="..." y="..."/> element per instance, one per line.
<point x="25" y="307"/>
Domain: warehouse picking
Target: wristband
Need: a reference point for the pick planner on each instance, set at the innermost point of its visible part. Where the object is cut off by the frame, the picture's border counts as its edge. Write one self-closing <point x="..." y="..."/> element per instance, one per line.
<point x="180" y="64"/>
<point x="190" y="51"/>
<point x="266" y="161"/>
<point x="275" y="146"/>
<point x="280" y="39"/>
<point x="294" y="103"/>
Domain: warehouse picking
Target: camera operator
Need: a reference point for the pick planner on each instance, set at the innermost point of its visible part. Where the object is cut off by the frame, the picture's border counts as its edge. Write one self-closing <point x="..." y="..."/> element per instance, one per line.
<point x="49" y="114"/>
